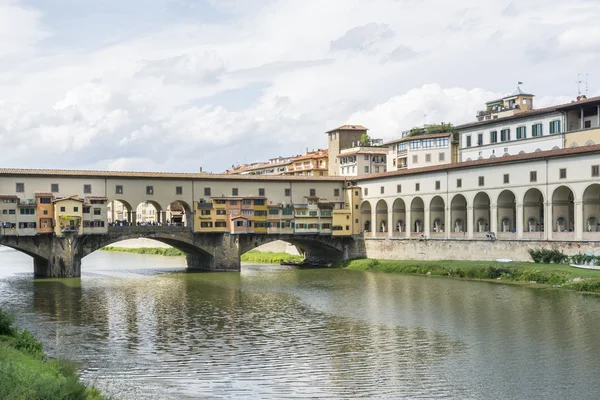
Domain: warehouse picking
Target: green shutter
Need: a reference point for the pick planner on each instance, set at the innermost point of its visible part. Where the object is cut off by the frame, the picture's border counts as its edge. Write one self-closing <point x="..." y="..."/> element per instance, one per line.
<point x="558" y="126"/>
<point x="551" y="128"/>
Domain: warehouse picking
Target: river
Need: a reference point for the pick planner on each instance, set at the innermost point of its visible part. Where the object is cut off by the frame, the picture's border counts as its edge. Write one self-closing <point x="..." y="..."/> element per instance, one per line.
<point x="140" y="327"/>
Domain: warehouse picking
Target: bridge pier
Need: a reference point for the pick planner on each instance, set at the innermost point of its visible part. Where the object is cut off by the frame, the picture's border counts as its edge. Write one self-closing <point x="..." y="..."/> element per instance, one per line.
<point x="63" y="259"/>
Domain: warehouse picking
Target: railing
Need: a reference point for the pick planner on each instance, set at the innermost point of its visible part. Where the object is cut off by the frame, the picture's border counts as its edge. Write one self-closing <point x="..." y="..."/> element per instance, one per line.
<point x="148" y="228"/>
<point x="205" y="205"/>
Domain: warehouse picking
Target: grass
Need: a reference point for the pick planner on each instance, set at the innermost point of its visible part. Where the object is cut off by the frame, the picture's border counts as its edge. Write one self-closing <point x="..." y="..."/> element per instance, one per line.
<point x="26" y="373"/>
<point x="548" y="274"/>
<point x="269" y="257"/>
<point x="158" y="251"/>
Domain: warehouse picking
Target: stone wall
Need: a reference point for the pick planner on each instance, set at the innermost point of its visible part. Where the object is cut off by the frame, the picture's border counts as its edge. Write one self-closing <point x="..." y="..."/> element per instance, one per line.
<point x="484" y="250"/>
<point x="279" y="246"/>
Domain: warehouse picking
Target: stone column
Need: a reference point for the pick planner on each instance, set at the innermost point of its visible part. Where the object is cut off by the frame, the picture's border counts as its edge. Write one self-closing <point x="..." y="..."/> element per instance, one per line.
<point x="448" y="218"/>
<point x="391" y="225"/>
<point x="408" y="225"/>
<point x="519" y="221"/>
<point x="494" y="218"/>
<point x="470" y="222"/>
<point x="64" y="258"/>
<point x="374" y="226"/>
<point x="548" y="221"/>
<point x="427" y="219"/>
<point x="578" y="223"/>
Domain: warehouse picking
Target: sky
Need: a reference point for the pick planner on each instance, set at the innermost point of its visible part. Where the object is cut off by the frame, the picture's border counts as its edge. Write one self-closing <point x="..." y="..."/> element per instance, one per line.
<point x="179" y="85"/>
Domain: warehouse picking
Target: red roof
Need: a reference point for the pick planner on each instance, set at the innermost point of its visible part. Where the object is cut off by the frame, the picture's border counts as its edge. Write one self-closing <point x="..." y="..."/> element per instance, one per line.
<point x="349" y="128"/>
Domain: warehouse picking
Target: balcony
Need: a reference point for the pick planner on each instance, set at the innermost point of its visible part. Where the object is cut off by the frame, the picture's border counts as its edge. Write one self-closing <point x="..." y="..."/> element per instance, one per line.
<point x="204" y="204"/>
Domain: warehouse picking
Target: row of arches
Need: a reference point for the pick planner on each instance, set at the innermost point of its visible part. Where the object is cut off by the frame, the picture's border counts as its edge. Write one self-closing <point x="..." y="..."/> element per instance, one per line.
<point x="405" y="219"/>
<point x="150" y="213"/>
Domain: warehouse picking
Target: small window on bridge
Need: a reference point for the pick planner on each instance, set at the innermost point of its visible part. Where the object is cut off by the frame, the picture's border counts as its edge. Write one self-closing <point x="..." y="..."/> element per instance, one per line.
<point x="288" y="192"/>
<point x="87" y="189"/>
<point x="150" y="190"/>
<point x="178" y="190"/>
<point x="313" y="192"/>
<point x="261" y="191"/>
<point x="54" y="188"/>
<point x="336" y="192"/>
<point x="20" y="187"/>
<point x="119" y="189"/>
<point x="207" y="191"/>
<point x="235" y="192"/>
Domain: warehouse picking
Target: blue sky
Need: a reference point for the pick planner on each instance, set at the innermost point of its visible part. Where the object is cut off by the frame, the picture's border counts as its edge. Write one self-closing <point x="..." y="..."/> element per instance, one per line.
<point x="173" y="85"/>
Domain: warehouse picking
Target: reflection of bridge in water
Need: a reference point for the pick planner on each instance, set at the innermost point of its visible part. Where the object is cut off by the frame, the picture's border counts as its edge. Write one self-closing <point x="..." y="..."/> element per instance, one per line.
<point x="61" y="256"/>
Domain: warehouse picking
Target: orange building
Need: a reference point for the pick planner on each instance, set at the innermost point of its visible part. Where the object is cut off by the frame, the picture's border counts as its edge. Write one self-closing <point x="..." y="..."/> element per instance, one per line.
<point x="45" y="212"/>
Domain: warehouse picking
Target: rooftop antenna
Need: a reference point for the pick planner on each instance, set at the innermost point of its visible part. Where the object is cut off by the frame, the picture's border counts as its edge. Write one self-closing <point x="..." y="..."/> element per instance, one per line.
<point x="580" y="82"/>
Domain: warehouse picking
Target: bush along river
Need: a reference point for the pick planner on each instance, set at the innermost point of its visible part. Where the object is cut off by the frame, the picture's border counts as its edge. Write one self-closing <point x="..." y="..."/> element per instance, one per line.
<point x="141" y="327"/>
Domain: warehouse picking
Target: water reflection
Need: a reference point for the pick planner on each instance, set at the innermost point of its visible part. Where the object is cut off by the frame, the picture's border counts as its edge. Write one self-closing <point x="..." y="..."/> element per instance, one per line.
<point x="142" y="330"/>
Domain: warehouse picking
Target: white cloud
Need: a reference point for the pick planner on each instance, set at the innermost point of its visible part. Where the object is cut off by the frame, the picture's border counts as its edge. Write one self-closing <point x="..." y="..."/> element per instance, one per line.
<point x="158" y="100"/>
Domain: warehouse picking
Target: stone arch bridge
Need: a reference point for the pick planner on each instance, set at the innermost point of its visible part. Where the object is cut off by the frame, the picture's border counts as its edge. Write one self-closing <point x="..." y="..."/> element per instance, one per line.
<point x="61" y="256"/>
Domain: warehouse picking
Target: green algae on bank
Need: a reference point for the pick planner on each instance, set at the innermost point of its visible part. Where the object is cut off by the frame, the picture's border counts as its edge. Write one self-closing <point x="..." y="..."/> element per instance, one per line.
<point x="518" y="272"/>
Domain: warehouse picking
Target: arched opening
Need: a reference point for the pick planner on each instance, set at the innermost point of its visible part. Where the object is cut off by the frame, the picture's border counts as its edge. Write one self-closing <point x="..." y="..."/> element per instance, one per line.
<point x="563" y="212"/>
<point x="298" y="250"/>
<point x="365" y="216"/>
<point x="591" y="211"/>
<point x="507" y="212"/>
<point x="120" y="212"/>
<point x="179" y="213"/>
<point x="533" y="213"/>
<point x="458" y="215"/>
<point x="381" y="212"/>
<point x="148" y="213"/>
<point x="417" y="215"/>
<point x="481" y="212"/>
<point x="437" y="216"/>
<point x="399" y="212"/>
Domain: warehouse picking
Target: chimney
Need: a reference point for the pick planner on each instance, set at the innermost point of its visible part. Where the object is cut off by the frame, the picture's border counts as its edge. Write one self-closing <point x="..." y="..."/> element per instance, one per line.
<point x="200" y="169"/>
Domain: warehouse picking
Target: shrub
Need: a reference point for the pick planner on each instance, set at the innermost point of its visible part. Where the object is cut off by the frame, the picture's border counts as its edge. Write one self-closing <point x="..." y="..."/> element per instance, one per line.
<point x="547" y="256"/>
<point x="27" y="343"/>
<point x="6" y="323"/>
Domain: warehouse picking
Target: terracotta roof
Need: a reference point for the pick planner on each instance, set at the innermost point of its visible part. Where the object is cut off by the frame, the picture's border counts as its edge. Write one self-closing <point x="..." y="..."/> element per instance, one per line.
<point x="532" y="113"/>
<point x="417" y="137"/>
<point x="156" y="175"/>
<point x="349" y="128"/>
<point x="44" y="195"/>
<point x="487" y="161"/>
<point x="313" y="154"/>
<point x="76" y="198"/>
<point x="97" y="198"/>
<point x="8" y="196"/>
<point x="363" y="151"/>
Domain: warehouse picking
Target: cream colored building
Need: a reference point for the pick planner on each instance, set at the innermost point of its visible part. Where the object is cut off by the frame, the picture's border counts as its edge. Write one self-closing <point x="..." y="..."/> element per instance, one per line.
<point x="422" y="151"/>
<point x="339" y="139"/>
<point x="68" y="212"/>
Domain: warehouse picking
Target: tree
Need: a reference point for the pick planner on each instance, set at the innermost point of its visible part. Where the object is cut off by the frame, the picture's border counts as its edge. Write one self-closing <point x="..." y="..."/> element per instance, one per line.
<point x="365" y="139"/>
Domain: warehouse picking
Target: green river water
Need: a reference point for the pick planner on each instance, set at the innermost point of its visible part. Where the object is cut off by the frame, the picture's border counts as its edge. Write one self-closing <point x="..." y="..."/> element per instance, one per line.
<point x="140" y="327"/>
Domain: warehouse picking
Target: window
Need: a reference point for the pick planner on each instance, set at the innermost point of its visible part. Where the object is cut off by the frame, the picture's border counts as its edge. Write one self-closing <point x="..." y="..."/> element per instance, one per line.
<point x="119" y="189"/>
<point x="469" y="141"/>
<point x="398" y="188"/>
<point x="20" y="187"/>
<point x="442" y="156"/>
<point x="97" y="211"/>
<point x="287" y="192"/>
<point x="27" y="211"/>
<point x="63" y="209"/>
<point x="587" y="124"/>
<point x="415" y="159"/>
<point x="86" y="210"/>
<point x="235" y="192"/>
<point x="506" y="178"/>
<point x="87" y="189"/>
<point x="259" y="202"/>
<point x="336" y="192"/>
<point x="417" y="187"/>
<point x="437" y="185"/>
<point x="178" y="190"/>
<point x="481" y="181"/>
<point x="260" y="213"/>
<point x="555" y="126"/>
<point x="75" y="209"/>
<point x="428" y="143"/>
<point x="415" y="145"/>
<point x="505" y="135"/>
<point x="45" y="200"/>
<point x="273" y="211"/>
<point x="595" y="170"/>
<point x="150" y="190"/>
<point x="45" y="212"/>
<point x="521" y="132"/>
<point x="536" y="130"/>
<point x="366" y="191"/>
<point x="205" y="212"/>
<point x="479" y="139"/>
<point x="54" y="188"/>
<point x="312" y="192"/>
<point x="441" y="143"/>
<point x="207" y="191"/>
<point x="427" y="157"/>
<point x="493" y="136"/>
<point x="563" y="173"/>
<point x="366" y="157"/>
<point x="401" y="147"/>
<point x="459" y="183"/>
<point x="221" y="212"/>
<point x="261" y="191"/>
<point x="532" y="176"/>
<point x="11" y="212"/>
<point x="366" y="169"/>
<point x="382" y="190"/>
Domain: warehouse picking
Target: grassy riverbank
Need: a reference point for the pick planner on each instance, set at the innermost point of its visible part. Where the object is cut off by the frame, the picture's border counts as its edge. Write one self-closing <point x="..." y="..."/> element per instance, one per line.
<point x="269" y="257"/>
<point x="26" y="373"/>
<point x="518" y="272"/>
<point x="169" y="252"/>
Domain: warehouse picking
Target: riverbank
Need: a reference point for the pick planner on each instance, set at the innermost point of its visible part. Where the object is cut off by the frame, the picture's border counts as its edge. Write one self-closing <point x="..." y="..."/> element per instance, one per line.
<point x="26" y="373"/>
<point x="557" y="275"/>
<point x="263" y="257"/>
